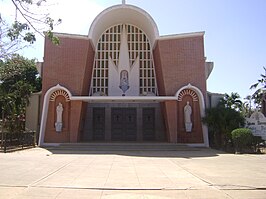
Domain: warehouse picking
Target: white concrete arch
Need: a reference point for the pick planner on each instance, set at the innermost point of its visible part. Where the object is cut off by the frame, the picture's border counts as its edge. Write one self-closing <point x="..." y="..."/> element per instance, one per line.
<point x="123" y="13"/>
<point x="202" y="109"/>
<point x="45" y="107"/>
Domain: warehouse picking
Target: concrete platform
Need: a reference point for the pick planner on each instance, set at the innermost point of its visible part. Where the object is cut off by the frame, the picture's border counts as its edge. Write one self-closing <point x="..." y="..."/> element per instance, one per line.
<point x="192" y="173"/>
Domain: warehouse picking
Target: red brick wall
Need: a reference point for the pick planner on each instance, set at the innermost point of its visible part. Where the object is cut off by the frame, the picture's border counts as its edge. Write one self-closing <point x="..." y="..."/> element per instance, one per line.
<point x="67" y="64"/>
<point x="179" y="62"/>
<point x="159" y="71"/>
<point x="170" y="119"/>
<point x="70" y="65"/>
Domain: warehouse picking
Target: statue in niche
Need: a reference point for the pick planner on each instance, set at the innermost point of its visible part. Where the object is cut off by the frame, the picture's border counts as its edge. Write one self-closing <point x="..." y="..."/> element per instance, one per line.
<point x="187" y="117"/>
<point x="59" y="114"/>
<point x="124" y="85"/>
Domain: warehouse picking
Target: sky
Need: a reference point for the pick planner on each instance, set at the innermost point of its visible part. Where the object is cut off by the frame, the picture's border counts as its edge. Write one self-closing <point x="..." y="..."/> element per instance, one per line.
<point x="235" y="32"/>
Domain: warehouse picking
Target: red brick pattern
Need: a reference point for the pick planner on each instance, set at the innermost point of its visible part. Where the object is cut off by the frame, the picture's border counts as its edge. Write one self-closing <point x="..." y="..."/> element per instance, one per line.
<point x="70" y="65"/>
<point x="178" y="61"/>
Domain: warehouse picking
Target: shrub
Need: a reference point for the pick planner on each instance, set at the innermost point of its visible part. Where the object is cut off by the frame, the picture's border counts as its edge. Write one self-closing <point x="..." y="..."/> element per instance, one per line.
<point x="242" y="139"/>
<point x="256" y="143"/>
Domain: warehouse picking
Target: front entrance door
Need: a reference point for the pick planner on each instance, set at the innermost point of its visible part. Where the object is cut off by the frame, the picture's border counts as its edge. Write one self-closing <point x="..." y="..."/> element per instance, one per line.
<point x="124" y="124"/>
<point x="148" y="122"/>
<point x="98" y="124"/>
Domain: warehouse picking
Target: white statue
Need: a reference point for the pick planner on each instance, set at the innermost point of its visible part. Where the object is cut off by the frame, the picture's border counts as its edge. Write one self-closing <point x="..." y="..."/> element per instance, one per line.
<point x="187" y="117"/>
<point x="59" y="114"/>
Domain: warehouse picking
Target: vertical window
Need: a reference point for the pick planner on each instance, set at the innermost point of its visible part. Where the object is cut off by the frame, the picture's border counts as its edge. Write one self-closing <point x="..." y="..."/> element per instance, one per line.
<point x="139" y="45"/>
<point x="109" y="46"/>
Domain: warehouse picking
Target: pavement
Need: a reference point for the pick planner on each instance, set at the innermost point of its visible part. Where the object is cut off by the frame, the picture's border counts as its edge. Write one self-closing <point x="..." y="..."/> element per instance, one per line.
<point x="39" y="173"/>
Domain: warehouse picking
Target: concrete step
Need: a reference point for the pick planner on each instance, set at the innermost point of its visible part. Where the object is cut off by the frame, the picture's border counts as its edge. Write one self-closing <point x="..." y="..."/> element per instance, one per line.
<point x="114" y="146"/>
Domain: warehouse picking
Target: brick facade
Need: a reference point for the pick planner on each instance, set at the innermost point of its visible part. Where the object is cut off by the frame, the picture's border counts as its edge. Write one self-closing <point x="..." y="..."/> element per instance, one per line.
<point x="70" y="65"/>
<point x="179" y="60"/>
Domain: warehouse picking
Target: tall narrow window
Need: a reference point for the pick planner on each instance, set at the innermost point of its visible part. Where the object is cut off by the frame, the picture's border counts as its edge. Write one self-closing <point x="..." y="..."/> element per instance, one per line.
<point x="138" y="48"/>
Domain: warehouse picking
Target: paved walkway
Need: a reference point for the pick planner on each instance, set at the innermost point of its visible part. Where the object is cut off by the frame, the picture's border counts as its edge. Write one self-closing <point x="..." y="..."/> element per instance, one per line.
<point x="202" y="173"/>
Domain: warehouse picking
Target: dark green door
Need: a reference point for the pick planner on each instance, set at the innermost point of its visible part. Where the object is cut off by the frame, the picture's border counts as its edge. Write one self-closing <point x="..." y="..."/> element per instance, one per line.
<point x="99" y="124"/>
<point x="148" y="122"/>
<point x="124" y="124"/>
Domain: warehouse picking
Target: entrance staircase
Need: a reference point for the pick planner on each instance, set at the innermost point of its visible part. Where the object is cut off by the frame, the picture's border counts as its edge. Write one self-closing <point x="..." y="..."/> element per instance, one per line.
<point x="123" y="146"/>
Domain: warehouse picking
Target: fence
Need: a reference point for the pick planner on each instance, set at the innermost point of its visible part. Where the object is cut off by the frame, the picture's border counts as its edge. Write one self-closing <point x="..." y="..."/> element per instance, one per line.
<point x="15" y="141"/>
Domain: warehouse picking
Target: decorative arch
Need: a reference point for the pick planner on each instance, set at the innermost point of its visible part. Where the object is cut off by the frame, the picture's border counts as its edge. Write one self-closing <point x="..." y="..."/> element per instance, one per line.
<point x="58" y="89"/>
<point x="193" y="90"/>
<point x="123" y="14"/>
<point x="188" y="92"/>
<point x="57" y="93"/>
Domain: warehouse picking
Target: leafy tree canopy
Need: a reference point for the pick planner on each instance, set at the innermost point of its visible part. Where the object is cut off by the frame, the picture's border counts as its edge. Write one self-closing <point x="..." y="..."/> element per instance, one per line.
<point x="19" y="69"/>
<point x="232" y="101"/>
<point x="260" y="87"/>
<point x="18" y="80"/>
<point x="30" y="19"/>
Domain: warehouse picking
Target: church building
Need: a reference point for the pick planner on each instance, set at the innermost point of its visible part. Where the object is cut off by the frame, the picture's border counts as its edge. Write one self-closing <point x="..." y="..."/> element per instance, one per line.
<point x="124" y="82"/>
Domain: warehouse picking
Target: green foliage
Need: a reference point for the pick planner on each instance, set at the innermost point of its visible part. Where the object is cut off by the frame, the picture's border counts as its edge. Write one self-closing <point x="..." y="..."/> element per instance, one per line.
<point x="256" y="142"/>
<point x="222" y="119"/>
<point x="232" y="101"/>
<point x="260" y="87"/>
<point x="242" y="139"/>
<point x="19" y="78"/>
<point x="31" y="18"/>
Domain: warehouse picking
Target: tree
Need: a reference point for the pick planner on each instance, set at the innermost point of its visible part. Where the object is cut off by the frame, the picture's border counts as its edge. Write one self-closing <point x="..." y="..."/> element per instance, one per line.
<point x="232" y="101"/>
<point x="222" y="119"/>
<point x="29" y="20"/>
<point x="259" y="95"/>
<point x="19" y="79"/>
<point x="8" y="47"/>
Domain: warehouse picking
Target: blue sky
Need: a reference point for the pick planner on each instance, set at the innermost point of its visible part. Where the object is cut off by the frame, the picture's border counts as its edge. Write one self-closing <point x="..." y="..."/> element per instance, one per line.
<point x="235" y="33"/>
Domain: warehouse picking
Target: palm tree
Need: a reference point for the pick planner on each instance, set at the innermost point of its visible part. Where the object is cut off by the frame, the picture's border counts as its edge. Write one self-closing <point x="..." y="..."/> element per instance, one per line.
<point x="224" y="118"/>
<point x="259" y="95"/>
<point x="232" y="101"/>
<point x="247" y="106"/>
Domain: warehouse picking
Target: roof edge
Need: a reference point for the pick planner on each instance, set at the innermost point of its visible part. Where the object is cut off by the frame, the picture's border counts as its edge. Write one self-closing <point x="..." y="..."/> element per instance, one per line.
<point x="182" y="35"/>
<point x="67" y="35"/>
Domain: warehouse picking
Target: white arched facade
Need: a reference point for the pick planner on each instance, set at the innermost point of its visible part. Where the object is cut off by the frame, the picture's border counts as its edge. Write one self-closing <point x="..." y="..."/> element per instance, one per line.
<point x="202" y="109"/>
<point x="45" y="107"/>
<point x="120" y="14"/>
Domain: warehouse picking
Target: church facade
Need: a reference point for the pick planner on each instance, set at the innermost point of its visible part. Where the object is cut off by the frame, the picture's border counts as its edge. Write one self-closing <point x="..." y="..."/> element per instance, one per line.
<point x="123" y="82"/>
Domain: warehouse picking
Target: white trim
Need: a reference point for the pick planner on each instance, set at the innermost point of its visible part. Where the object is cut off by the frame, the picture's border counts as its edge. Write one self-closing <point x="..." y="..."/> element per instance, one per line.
<point x="67" y="35"/>
<point x="202" y="109"/>
<point x="123" y="14"/>
<point x="122" y="98"/>
<point x="183" y="35"/>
